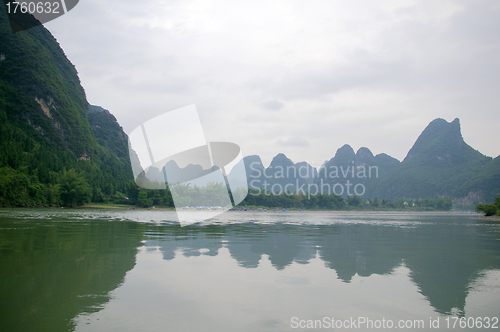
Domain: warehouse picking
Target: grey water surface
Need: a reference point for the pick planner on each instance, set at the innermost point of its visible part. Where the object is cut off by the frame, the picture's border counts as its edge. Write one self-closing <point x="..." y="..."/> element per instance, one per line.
<point x="130" y="270"/>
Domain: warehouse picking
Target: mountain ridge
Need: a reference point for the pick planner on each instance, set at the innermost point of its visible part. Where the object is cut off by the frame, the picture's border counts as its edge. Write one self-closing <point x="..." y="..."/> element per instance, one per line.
<point x="440" y="163"/>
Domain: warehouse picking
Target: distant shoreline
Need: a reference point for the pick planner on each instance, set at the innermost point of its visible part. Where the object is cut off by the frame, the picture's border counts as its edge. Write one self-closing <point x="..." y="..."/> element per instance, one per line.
<point x="110" y="206"/>
<point x="363" y="211"/>
<point x="129" y="207"/>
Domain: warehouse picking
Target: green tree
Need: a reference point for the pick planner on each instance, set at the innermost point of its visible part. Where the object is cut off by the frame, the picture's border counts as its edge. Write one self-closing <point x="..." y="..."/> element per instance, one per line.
<point x="53" y="193"/>
<point x="74" y="189"/>
<point x="143" y="200"/>
<point x="490" y="209"/>
<point x="353" y="200"/>
<point x="19" y="189"/>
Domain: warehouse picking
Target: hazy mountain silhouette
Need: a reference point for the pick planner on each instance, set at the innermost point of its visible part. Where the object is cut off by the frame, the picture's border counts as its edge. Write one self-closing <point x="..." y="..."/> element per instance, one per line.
<point x="440" y="163"/>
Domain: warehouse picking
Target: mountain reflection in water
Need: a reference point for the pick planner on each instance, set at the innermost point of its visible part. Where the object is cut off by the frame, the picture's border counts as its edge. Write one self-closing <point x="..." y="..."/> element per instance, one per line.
<point x="443" y="257"/>
<point x="55" y="266"/>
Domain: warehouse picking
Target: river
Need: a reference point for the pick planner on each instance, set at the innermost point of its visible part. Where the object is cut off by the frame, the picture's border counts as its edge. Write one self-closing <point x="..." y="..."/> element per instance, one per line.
<point x="139" y="270"/>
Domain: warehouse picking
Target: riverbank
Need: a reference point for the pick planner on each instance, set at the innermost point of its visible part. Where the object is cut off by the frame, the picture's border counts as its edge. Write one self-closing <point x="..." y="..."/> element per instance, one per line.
<point x="113" y="206"/>
<point x="120" y="207"/>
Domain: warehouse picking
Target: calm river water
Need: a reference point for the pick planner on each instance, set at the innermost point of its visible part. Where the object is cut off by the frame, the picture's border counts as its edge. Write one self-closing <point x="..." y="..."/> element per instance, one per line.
<point x="103" y="270"/>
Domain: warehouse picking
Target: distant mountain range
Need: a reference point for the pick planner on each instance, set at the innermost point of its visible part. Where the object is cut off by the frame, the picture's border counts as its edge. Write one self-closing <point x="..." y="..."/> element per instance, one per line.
<point x="47" y="127"/>
<point x="440" y="163"/>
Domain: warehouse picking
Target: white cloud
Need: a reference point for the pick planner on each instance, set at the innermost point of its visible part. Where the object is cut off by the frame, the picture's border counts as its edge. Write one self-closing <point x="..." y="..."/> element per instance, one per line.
<point x="294" y="142"/>
<point x="365" y="73"/>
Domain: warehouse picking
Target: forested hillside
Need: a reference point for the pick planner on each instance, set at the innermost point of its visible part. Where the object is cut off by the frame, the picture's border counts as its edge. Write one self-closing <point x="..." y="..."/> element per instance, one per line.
<point x="49" y="154"/>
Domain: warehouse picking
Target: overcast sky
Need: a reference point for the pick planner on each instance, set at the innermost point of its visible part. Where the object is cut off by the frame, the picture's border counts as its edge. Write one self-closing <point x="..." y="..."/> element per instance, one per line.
<point x="298" y="77"/>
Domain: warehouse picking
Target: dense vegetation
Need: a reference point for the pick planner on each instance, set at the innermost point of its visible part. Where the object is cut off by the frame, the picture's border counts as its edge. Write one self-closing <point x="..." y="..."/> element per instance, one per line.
<point x="490" y="209"/>
<point x="260" y="199"/>
<point x="48" y="152"/>
<point x="336" y="202"/>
